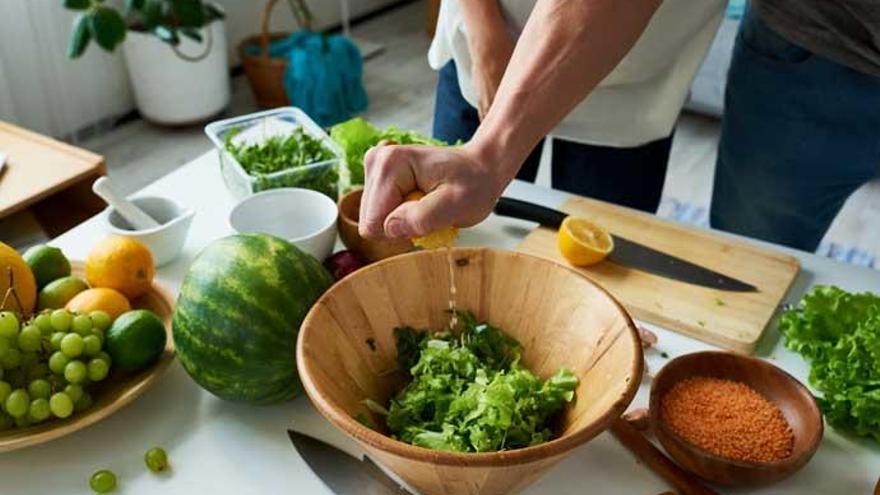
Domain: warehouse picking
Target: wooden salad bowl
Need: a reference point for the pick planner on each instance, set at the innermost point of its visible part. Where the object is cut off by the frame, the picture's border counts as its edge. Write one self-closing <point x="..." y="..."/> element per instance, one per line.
<point x="789" y="395"/>
<point x="346" y="353"/>
<point x="116" y="391"/>
<point x="371" y="249"/>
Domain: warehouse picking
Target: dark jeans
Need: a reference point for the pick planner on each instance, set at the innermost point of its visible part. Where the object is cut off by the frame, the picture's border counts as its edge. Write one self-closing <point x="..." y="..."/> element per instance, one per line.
<point x="627" y="176"/>
<point x="800" y="134"/>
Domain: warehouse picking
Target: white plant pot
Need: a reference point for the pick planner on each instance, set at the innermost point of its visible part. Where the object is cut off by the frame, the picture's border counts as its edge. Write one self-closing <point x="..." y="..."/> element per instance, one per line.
<point x="170" y="90"/>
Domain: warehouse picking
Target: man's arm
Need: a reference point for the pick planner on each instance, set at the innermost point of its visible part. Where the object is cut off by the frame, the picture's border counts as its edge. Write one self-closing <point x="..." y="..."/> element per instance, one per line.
<point x="490" y="46"/>
<point x="565" y="50"/>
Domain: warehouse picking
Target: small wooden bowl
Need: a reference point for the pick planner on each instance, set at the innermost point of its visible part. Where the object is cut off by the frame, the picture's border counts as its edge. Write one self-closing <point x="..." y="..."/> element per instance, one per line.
<point x="793" y="399"/>
<point x="110" y="395"/>
<point x="346" y="349"/>
<point x="371" y="249"/>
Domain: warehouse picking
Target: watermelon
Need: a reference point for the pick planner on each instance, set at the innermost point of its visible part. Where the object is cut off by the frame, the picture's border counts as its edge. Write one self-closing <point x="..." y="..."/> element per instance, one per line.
<point x="238" y="315"/>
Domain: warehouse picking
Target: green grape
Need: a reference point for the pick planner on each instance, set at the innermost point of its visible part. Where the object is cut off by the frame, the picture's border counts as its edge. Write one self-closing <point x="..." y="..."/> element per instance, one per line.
<point x="40" y="389"/>
<point x="156" y="459"/>
<point x="100" y="320"/>
<point x="55" y="340"/>
<point x="44" y="322"/>
<point x="29" y="339"/>
<point x="74" y="391"/>
<point x="106" y="357"/>
<point x="17" y="403"/>
<point x="57" y="362"/>
<point x="83" y="403"/>
<point x="4" y="346"/>
<point x="82" y="324"/>
<point x="98" y="370"/>
<point x="72" y="345"/>
<point x="39" y="410"/>
<point x="39" y="370"/>
<point x="43" y="331"/>
<point x="92" y="345"/>
<point x="8" y="325"/>
<point x="6" y="421"/>
<point x="23" y="421"/>
<point x="61" y="320"/>
<point x="103" y="481"/>
<point x="5" y="390"/>
<point x="75" y="372"/>
<point x="11" y="359"/>
<point x="61" y="405"/>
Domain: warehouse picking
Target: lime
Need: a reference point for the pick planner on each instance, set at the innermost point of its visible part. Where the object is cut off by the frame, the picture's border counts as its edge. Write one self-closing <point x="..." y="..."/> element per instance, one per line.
<point x="48" y="263"/>
<point x="135" y="340"/>
<point x="58" y="292"/>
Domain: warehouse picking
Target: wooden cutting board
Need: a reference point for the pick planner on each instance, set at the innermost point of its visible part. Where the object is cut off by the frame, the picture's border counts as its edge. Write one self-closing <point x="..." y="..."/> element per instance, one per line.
<point x="733" y="320"/>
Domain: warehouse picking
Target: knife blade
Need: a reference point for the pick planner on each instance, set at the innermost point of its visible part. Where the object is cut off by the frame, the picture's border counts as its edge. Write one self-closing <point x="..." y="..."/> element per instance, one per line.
<point x="630" y="253"/>
<point x="342" y="473"/>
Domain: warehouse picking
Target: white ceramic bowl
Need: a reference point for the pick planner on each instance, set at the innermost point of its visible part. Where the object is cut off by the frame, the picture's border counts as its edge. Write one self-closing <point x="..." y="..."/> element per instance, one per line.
<point x="304" y="217"/>
<point x="164" y="241"/>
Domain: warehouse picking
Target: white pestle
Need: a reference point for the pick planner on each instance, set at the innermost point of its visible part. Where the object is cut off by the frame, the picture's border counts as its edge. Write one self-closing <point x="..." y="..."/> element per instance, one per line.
<point x="128" y="210"/>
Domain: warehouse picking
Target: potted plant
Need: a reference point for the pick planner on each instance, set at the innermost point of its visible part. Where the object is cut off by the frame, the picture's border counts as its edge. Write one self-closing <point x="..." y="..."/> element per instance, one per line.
<point x="175" y="53"/>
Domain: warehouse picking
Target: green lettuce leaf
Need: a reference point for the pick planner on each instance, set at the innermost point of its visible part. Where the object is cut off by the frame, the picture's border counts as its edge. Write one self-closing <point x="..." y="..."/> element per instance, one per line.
<point x="839" y="333"/>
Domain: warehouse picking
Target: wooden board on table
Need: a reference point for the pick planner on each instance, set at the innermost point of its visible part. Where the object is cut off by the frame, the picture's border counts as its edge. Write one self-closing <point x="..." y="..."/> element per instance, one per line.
<point x="733" y="320"/>
<point x="115" y="392"/>
<point x="38" y="166"/>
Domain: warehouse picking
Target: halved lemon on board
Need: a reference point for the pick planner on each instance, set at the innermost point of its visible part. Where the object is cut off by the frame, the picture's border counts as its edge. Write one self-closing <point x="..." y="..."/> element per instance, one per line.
<point x="444" y="237"/>
<point x="582" y="242"/>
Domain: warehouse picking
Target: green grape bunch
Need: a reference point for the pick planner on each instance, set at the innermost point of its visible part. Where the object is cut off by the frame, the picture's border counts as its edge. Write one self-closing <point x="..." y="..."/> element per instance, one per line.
<point x="49" y="363"/>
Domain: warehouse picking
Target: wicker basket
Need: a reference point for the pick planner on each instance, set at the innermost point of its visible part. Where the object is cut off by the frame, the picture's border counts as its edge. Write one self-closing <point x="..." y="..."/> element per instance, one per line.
<point x="266" y="74"/>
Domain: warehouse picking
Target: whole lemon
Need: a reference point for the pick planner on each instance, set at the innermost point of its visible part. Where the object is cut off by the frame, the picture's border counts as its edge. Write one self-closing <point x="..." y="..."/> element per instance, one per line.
<point x="107" y="300"/>
<point x="121" y="263"/>
<point x="22" y="279"/>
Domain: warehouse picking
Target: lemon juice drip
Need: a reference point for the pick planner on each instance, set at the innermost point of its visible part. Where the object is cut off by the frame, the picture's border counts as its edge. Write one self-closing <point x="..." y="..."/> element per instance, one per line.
<point x="453" y="320"/>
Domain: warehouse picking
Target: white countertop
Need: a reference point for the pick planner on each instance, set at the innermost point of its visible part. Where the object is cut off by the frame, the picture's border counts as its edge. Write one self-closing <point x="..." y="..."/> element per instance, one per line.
<point x="219" y="447"/>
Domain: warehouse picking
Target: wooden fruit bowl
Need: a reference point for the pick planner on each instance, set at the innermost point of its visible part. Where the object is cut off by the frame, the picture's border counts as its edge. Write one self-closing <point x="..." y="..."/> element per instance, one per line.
<point x="110" y="395"/>
<point x="346" y="349"/>
<point x="792" y="398"/>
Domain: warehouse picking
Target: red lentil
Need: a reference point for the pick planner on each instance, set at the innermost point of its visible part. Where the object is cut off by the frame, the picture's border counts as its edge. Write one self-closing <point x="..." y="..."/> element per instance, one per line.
<point x="727" y="418"/>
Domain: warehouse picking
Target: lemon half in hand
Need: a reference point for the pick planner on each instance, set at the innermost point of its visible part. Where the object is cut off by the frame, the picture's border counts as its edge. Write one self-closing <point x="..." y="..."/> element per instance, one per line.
<point x="444" y="237"/>
<point x="582" y="242"/>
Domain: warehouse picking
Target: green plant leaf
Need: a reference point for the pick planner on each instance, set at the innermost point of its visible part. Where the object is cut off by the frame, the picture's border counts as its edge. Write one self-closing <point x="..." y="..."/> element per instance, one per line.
<point x="189" y="13"/>
<point x="80" y="36"/>
<point x="166" y="34"/>
<point x="107" y="27"/>
<point x="192" y="34"/>
<point x="77" y="4"/>
<point x="152" y="13"/>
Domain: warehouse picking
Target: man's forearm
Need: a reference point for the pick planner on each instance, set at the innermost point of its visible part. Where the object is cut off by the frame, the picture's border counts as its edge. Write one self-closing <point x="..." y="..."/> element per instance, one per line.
<point x="564" y="51"/>
<point x="483" y="21"/>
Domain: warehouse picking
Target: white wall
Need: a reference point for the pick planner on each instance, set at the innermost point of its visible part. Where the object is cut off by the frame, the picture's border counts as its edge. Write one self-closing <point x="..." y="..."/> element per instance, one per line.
<point x="42" y="90"/>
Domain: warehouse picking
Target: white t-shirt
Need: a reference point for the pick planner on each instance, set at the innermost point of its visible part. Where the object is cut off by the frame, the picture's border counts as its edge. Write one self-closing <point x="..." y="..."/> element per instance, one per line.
<point x="639" y="101"/>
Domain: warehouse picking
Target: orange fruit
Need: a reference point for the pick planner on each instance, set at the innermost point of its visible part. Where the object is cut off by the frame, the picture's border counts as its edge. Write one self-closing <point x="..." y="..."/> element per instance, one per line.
<point x="22" y="279"/>
<point x="582" y="242"/>
<point x="444" y="237"/>
<point x="121" y="263"/>
<point x="109" y="301"/>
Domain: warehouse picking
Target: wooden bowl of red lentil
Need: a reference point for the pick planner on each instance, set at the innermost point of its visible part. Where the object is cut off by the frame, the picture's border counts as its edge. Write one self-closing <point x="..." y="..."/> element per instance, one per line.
<point x="733" y="419"/>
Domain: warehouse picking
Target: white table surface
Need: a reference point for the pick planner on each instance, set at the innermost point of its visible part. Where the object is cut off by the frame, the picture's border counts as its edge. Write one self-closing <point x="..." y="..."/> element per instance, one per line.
<point x="219" y="447"/>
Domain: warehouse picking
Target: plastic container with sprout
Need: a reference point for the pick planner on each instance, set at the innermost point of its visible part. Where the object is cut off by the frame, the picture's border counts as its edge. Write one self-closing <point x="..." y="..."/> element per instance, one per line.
<point x="255" y="128"/>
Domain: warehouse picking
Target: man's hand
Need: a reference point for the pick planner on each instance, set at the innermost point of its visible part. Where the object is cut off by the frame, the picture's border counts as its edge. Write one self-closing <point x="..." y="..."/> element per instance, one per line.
<point x="490" y="53"/>
<point x="461" y="190"/>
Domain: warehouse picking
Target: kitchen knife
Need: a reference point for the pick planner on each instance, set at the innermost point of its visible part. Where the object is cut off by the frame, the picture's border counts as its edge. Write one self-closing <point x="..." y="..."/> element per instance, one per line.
<point x="629" y="253"/>
<point x="342" y="473"/>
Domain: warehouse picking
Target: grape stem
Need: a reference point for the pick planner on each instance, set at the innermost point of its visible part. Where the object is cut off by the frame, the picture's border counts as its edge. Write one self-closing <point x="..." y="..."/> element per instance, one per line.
<point x="11" y="292"/>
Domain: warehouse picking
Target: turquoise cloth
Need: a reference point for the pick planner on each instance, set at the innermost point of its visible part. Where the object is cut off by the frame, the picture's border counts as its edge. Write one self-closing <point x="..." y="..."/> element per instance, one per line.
<point x="324" y="75"/>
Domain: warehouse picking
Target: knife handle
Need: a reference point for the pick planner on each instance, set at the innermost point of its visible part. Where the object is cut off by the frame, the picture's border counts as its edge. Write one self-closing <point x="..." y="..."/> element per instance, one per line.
<point x="524" y="210"/>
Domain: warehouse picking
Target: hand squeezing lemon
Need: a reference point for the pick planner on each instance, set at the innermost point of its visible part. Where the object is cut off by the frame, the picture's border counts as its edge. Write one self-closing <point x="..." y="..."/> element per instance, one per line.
<point x="582" y="242"/>
<point x="444" y="237"/>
